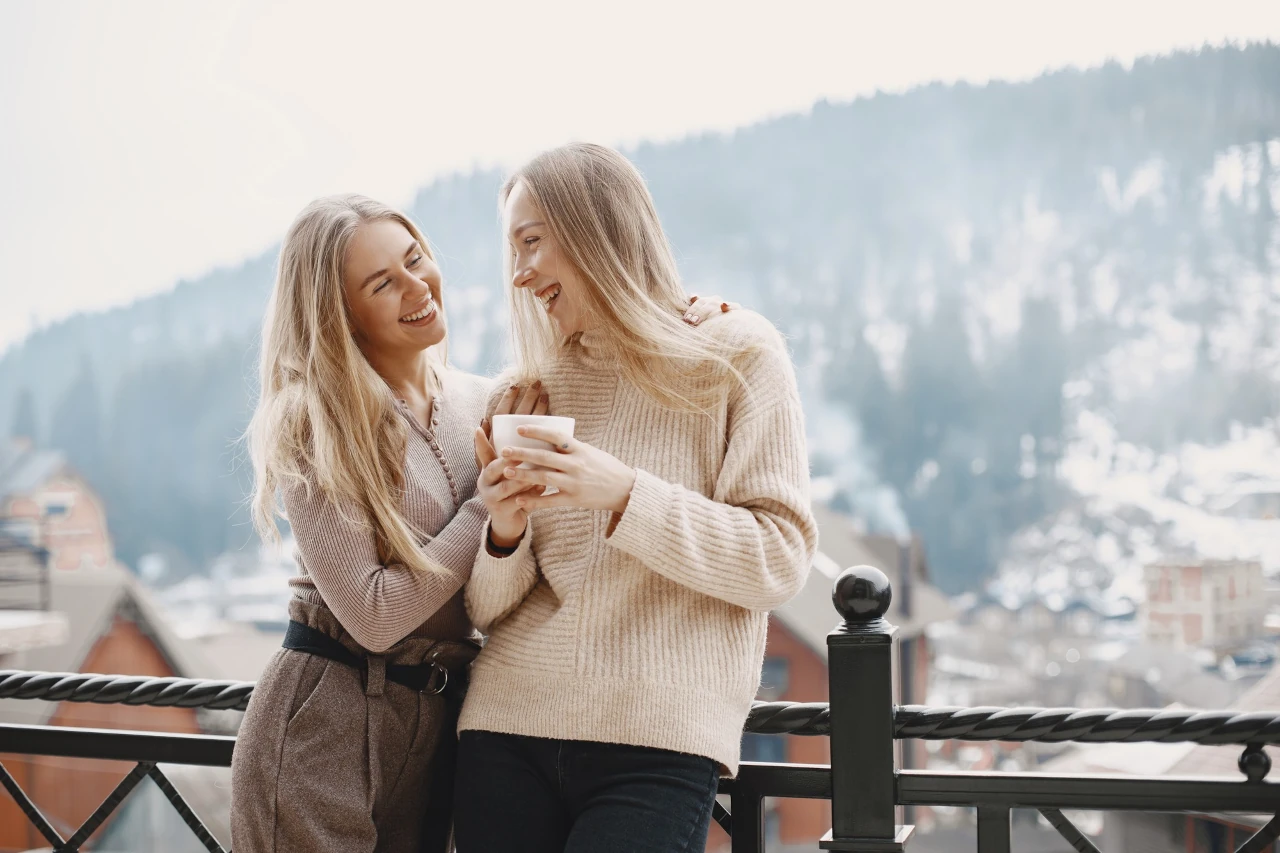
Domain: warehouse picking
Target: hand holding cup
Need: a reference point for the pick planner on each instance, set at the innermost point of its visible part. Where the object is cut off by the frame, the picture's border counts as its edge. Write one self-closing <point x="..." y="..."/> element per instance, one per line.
<point x="507" y="520"/>
<point x="582" y="475"/>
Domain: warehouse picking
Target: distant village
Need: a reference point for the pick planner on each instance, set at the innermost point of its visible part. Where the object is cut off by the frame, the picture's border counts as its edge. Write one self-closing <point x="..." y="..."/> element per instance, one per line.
<point x="1202" y="633"/>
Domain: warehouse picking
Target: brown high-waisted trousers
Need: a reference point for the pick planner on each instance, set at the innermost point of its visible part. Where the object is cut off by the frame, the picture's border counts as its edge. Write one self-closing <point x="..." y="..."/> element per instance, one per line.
<point x="329" y="759"/>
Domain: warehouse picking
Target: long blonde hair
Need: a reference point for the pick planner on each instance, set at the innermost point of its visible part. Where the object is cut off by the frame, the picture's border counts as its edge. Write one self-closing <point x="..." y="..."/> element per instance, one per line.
<point x="603" y="219"/>
<point x="325" y="419"/>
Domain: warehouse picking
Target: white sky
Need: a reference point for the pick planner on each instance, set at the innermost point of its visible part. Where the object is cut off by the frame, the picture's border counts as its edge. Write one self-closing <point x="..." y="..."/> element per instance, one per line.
<point x="142" y="142"/>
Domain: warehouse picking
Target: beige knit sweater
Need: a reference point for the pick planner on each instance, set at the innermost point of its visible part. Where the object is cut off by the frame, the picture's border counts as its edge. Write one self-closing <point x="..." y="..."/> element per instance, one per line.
<point x="652" y="635"/>
<point x="338" y="566"/>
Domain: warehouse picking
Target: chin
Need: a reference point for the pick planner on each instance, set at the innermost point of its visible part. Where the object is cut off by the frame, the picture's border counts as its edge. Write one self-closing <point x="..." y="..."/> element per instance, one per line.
<point x="423" y="342"/>
<point x="565" y="327"/>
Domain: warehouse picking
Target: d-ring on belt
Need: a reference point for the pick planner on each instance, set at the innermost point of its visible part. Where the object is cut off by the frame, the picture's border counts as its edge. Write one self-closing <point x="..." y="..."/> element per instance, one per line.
<point x="431" y="677"/>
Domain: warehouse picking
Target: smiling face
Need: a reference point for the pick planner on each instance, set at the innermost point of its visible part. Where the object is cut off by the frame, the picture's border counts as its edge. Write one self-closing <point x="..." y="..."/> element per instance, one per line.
<point x="391" y="284"/>
<point x="539" y="266"/>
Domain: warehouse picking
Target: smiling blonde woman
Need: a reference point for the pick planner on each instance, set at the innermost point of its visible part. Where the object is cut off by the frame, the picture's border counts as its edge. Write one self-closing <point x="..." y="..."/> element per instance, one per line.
<point x="626" y="613"/>
<point x="366" y="433"/>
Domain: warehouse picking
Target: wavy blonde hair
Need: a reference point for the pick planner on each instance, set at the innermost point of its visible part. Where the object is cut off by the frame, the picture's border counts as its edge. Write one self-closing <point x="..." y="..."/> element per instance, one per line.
<point x="603" y="219"/>
<point x="325" y="419"/>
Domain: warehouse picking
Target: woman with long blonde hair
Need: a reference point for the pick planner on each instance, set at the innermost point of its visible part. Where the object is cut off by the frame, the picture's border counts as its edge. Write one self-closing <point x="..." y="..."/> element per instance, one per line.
<point x="627" y="614"/>
<point x="365" y="434"/>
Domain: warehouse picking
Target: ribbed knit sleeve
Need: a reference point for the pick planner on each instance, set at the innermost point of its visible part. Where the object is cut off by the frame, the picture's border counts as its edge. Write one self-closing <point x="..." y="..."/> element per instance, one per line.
<point x="752" y="541"/>
<point x="499" y="584"/>
<point x="379" y="604"/>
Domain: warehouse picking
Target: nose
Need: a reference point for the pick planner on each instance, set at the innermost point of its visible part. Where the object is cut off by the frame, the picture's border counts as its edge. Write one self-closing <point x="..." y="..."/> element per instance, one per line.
<point x="523" y="277"/>
<point x="418" y="288"/>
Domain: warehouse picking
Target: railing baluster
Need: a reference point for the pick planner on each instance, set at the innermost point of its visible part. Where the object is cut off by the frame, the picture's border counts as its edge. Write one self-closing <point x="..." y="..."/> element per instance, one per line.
<point x="722" y="816"/>
<point x="127" y="784"/>
<point x="29" y="809"/>
<point x="746" y="806"/>
<point x="1068" y="831"/>
<point x="1263" y="838"/>
<point x="189" y="817"/>
<point x="994" y="830"/>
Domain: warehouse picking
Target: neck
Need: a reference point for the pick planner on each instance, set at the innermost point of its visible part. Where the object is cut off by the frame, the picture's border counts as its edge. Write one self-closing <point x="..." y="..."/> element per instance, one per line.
<point x="411" y="378"/>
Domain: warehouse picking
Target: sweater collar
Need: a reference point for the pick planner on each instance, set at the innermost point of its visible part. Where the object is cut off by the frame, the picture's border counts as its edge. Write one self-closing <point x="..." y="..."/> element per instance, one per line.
<point x="596" y="347"/>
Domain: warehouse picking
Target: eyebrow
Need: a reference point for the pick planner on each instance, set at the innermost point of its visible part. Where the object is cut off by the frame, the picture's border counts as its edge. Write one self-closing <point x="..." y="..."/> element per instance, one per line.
<point x="516" y="233"/>
<point x="413" y="247"/>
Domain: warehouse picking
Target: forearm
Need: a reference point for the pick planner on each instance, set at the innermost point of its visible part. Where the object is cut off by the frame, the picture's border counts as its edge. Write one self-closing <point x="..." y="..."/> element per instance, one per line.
<point x="381" y="604"/>
<point x="755" y="555"/>
<point x="499" y="582"/>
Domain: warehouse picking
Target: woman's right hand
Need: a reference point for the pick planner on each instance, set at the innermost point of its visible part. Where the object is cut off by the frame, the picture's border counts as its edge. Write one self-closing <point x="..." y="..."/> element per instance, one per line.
<point x="507" y="522"/>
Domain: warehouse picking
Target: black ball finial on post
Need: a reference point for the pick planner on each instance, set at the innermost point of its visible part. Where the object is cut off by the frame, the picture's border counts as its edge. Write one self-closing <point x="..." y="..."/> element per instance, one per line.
<point x="860" y="663"/>
<point x="1254" y="763"/>
<point x="862" y="594"/>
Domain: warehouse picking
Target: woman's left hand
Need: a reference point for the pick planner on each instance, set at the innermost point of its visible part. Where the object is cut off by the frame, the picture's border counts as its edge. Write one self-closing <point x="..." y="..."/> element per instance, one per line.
<point x="586" y="476"/>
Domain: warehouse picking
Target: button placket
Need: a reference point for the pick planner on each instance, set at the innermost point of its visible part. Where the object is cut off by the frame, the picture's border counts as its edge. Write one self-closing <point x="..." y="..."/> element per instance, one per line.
<point x="448" y="474"/>
<point x="429" y="434"/>
<point x="439" y="451"/>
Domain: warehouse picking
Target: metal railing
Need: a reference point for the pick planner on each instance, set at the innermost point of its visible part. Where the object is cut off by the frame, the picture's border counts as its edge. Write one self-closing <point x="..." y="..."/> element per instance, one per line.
<point x="25" y="573"/>
<point x="863" y="783"/>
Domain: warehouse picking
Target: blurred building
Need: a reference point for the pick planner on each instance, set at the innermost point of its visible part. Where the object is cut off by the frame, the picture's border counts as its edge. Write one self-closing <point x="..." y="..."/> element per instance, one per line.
<point x="67" y="606"/>
<point x="241" y="589"/>
<point x="38" y="531"/>
<point x="27" y="619"/>
<point x="1220" y="605"/>
<point x="44" y="502"/>
<point x="113" y="627"/>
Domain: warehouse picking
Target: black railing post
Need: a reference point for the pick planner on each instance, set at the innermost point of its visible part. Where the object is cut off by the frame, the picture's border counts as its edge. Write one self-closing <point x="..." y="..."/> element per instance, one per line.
<point x="860" y="671"/>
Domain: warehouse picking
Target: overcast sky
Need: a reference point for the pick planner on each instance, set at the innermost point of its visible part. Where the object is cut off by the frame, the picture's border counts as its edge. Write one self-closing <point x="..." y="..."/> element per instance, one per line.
<point x="143" y="142"/>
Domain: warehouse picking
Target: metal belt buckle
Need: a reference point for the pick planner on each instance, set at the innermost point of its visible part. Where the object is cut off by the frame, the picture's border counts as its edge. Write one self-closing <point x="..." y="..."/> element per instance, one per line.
<point x="432" y="687"/>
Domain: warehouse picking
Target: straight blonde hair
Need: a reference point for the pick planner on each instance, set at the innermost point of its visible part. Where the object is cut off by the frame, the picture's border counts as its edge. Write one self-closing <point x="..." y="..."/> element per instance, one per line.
<point x="603" y="219"/>
<point x="325" y="419"/>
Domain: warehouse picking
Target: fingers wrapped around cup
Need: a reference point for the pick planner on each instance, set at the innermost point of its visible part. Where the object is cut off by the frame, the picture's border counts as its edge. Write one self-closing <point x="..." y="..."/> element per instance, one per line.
<point x="559" y="439"/>
<point x="525" y="432"/>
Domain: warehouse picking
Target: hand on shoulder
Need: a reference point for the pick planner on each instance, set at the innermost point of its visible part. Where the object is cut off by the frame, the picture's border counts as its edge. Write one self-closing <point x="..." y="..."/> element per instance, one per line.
<point x="702" y="307"/>
<point x="738" y="327"/>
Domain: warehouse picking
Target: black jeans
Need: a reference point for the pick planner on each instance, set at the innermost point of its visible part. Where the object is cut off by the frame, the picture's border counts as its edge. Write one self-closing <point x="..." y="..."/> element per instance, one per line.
<point x="533" y="795"/>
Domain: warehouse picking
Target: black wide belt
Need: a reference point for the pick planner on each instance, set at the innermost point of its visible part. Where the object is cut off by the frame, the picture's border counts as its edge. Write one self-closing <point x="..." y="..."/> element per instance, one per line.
<point x="430" y="677"/>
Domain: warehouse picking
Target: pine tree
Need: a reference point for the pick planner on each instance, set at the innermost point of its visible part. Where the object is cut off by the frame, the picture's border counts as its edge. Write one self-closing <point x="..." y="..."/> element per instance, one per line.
<point x="24" y="418"/>
<point x="855" y="379"/>
<point x="77" y="425"/>
<point x="1266" y="210"/>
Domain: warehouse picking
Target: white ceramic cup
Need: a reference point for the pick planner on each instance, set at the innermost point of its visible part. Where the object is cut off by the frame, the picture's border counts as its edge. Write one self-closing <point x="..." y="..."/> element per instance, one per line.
<point x="505" y="435"/>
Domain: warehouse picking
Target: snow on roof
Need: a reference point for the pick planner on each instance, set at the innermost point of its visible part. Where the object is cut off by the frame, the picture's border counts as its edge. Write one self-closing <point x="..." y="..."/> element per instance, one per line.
<point x="25" y="470"/>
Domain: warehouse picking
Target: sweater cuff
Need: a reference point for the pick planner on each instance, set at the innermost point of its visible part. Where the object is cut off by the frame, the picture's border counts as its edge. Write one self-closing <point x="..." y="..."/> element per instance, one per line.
<point x="644" y="521"/>
<point x="516" y="569"/>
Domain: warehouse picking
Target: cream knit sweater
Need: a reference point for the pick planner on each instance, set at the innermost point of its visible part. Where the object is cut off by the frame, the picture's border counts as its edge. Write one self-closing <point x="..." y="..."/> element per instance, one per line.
<point x="652" y="635"/>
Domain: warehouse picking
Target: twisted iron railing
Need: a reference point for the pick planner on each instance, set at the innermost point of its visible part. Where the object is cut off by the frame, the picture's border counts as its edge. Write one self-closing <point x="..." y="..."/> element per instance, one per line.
<point x="863" y="783"/>
<point x="1049" y="725"/>
<point x="125" y="690"/>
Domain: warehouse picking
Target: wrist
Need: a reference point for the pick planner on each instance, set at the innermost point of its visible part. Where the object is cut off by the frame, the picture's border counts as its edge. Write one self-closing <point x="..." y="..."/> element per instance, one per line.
<point x="620" y="505"/>
<point x="504" y="541"/>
